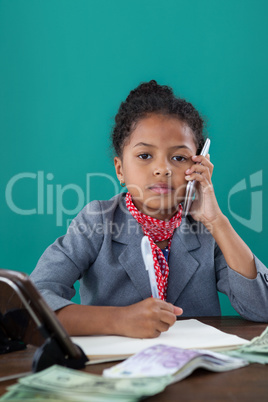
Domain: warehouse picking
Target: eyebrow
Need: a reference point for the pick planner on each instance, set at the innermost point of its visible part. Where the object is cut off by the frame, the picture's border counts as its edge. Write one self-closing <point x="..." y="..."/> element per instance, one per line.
<point x="154" y="146"/>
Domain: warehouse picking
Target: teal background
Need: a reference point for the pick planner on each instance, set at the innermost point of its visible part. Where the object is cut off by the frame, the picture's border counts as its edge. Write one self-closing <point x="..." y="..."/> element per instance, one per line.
<point x="65" y="66"/>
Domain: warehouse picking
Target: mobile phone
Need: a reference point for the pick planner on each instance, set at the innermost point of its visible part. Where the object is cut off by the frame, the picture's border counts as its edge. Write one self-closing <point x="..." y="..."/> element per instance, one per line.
<point x="26" y="317"/>
<point x="191" y="186"/>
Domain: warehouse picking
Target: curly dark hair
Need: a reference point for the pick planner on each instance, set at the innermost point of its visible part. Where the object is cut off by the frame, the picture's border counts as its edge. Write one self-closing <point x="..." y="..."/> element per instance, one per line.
<point x="150" y="97"/>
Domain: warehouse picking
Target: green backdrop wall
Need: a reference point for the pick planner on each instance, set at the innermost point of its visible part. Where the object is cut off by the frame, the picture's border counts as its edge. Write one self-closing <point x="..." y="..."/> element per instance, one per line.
<point x="65" y="66"/>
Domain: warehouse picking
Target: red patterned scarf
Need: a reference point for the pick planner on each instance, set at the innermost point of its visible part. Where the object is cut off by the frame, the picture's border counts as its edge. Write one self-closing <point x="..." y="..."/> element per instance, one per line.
<point x="157" y="230"/>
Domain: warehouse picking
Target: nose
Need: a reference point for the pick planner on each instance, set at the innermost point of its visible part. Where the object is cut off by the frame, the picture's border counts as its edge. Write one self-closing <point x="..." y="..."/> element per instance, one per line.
<point x="162" y="171"/>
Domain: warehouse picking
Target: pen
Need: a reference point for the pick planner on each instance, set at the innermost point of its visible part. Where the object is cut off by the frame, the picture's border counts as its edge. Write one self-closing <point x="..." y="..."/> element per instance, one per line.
<point x="149" y="265"/>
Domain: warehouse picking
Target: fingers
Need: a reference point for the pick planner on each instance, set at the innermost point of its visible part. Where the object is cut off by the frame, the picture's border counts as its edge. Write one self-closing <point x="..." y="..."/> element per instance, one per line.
<point x="168" y="315"/>
<point x="169" y="307"/>
<point x="200" y="171"/>
<point x="167" y="319"/>
<point x="177" y="310"/>
<point x="201" y="175"/>
<point x="203" y="160"/>
<point x="163" y="305"/>
<point x="148" y="318"/>
<point x="161" y="314"/>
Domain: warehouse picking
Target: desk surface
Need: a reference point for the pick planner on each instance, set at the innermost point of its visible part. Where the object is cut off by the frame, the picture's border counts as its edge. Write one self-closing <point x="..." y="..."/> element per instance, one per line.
<point x="245" y="384"/>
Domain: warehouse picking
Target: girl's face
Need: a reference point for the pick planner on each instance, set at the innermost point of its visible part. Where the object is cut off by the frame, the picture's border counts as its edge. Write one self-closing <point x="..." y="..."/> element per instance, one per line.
<point x="153" y="164"/>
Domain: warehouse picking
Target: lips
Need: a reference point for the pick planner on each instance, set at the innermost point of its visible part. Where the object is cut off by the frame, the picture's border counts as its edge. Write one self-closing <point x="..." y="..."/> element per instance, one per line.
<point x="161" y="188"/>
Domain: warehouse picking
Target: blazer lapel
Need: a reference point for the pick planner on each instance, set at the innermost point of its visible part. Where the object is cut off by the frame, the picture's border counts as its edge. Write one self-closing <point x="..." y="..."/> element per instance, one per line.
<point x="131" y="260"/>
<point x="182" y="265"/>
<point x="129" y="235"/>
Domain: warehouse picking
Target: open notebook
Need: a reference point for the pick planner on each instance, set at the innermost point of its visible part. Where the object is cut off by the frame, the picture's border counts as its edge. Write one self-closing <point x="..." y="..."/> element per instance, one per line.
<point x="188" y="334"/>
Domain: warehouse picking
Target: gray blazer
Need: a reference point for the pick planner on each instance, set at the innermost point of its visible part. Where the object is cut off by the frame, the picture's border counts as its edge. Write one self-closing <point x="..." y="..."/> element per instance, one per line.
<point x="102" y="250"/>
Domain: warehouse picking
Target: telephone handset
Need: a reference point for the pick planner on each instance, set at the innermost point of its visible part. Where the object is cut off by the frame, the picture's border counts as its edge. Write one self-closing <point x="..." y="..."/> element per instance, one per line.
<point x="190" y="189"/>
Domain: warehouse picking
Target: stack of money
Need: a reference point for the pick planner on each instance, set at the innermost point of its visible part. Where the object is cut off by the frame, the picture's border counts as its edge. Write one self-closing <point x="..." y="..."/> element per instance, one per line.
<point x="163" y="360"/>
<point x="63" y="384"/>
<point x="254" y="352"/>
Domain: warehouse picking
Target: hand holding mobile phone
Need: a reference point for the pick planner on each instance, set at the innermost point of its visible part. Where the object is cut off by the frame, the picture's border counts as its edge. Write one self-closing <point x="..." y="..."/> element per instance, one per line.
<point x="191" y="186"/>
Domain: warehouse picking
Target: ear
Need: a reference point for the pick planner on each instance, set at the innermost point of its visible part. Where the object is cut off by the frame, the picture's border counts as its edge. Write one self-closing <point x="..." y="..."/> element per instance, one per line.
<point x="118" y="164"/>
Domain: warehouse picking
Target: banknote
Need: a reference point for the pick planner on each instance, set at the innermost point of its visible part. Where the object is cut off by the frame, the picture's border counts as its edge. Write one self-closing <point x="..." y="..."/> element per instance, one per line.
<point x="254" y="352"/>
<point x="258" y="344"/>
<point x="250" y="357"/>
<point x="162" y="360"/>
<point x="62" y="379"/>
<point x="20" y="392"/>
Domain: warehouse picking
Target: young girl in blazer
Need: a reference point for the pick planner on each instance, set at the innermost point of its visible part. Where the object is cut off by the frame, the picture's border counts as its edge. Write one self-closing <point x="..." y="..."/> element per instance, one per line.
<point x="157" y="139"/>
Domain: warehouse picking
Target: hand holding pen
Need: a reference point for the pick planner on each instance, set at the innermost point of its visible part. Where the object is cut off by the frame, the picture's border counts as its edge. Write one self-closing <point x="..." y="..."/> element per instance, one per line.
<point x="148" y="318"/>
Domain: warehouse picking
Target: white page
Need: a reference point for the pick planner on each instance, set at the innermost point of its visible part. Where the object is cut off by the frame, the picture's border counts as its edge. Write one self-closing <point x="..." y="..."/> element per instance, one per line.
<point x="188" y="334"/>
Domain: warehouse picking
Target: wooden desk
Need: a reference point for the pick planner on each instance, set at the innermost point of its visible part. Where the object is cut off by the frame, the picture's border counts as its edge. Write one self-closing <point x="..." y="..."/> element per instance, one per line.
<point x="245" y="384"/>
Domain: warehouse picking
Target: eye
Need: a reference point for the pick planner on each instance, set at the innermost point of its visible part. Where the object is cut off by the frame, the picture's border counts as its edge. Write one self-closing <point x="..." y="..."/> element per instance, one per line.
<point x="179" y="158"/>
<point x="144" y="156"/>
